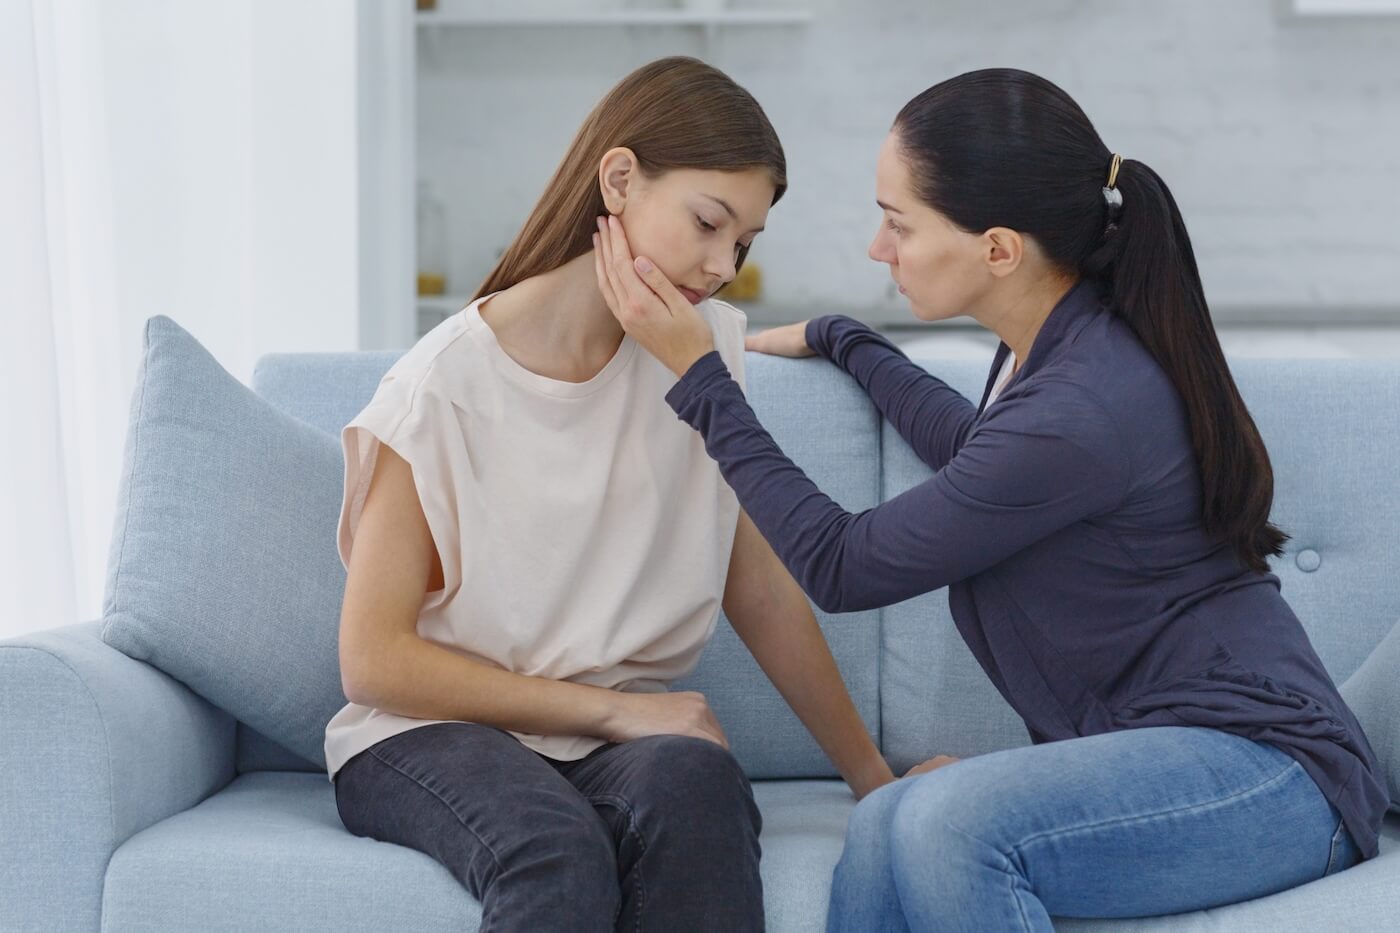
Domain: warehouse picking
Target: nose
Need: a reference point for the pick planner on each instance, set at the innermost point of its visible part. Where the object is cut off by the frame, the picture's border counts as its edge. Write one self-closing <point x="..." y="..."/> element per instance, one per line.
<point x="721" y="264"/>
<point x="880" y="250"/>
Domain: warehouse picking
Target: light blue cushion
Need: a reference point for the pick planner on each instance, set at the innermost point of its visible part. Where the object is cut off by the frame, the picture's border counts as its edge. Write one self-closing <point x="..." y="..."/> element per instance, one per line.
<point x="1331" y="428"/>
<point x="223" y="570"/>
<point x="1373" y="693"/>
<point x="269" y="853"/>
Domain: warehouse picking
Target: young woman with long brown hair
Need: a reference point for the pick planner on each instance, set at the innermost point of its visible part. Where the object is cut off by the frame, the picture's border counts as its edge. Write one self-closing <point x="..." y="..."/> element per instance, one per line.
<point x="536" y="547"/>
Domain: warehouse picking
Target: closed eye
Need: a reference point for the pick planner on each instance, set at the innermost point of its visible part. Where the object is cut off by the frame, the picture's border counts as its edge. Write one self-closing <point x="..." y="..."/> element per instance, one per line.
<point x="708" y="227"/>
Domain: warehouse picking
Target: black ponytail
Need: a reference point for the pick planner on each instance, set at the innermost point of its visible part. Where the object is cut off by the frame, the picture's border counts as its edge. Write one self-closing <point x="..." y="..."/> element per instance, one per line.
<point x="1003" y="147"/>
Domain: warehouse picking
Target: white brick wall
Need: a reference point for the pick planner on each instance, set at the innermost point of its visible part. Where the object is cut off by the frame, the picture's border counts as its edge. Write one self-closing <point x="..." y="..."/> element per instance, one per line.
<point x="1279" y="135"/>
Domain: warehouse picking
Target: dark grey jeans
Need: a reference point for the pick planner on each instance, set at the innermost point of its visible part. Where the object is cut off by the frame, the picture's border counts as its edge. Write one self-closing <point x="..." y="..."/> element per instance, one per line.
<point x="658" y="834"/>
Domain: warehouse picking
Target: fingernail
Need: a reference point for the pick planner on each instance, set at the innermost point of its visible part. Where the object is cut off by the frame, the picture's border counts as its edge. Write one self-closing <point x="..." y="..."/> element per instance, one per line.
<point x="643" y="264"/>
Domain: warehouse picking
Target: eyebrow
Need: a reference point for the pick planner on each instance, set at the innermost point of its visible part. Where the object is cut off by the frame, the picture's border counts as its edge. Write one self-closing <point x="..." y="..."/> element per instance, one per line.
<point x="725" y="204"/>
<point x="892" y="210"/>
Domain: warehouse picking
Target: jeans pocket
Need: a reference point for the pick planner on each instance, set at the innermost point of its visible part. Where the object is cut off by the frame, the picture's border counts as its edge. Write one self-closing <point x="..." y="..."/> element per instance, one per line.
<point x="1343" y="853"/>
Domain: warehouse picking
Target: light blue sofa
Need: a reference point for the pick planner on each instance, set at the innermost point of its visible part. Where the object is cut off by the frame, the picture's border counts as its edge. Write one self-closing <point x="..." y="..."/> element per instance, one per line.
<point x="129" y="801"/>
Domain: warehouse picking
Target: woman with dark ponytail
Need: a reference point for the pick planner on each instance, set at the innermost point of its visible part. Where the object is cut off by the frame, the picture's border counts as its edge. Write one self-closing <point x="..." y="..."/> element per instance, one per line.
<point x="1101" y="520"/>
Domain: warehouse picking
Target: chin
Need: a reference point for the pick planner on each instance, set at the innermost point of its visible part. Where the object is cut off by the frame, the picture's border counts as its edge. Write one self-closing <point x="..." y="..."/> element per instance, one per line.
<point x="927" y="315"/>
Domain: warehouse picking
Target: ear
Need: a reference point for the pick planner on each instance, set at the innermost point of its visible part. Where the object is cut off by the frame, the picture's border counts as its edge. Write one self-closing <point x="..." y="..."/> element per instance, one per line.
<point x="616" y="174"/>
<point x="1003" y="250"/>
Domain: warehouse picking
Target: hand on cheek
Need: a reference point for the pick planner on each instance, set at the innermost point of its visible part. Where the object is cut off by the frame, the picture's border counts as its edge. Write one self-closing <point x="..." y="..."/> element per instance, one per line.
<point x="646" y="304"/>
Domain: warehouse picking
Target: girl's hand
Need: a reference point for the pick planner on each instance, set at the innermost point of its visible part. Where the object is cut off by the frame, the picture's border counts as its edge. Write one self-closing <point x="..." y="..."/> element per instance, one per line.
<point x="932" y="764"/>
<point x="788" y="340"/>
<point x="647" y="305"/>
<point x="637" y="715"/>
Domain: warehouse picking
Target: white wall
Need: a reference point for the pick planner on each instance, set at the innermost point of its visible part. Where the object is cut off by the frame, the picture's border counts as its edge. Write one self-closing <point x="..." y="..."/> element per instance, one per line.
<point x="1279" y="135"/>
<point x="232" y="134"/>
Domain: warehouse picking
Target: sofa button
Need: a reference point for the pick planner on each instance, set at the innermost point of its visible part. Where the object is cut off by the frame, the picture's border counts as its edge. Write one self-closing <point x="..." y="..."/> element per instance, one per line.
<point x="1309" y="560"/>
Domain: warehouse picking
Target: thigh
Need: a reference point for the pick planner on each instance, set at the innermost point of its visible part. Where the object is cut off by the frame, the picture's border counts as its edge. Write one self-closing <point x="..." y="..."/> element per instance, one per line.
<point x="690" y="783"/>
<point x="1128" y="824"/>
<point x="471" y="796"/>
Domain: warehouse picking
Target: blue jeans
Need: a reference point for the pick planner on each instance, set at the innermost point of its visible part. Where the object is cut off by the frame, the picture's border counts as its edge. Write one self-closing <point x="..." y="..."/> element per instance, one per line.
<point x="659" y="833"/>
<point x="1127" y="824"/>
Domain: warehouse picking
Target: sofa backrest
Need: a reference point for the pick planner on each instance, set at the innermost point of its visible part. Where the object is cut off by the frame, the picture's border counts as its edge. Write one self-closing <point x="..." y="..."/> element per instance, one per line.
<point x="1331" y="428"/>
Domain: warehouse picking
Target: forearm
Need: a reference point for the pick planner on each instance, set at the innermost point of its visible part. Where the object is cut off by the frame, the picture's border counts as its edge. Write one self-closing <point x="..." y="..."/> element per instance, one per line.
<point x="931" y="416"/>
<point x="771" y="615"/>
<point x="417" y="678"/>
<point x="796" y="658"/>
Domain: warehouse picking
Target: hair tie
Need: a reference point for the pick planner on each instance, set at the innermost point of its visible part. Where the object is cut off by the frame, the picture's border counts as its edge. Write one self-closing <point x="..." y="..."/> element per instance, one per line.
<point x="1112" y="196"/>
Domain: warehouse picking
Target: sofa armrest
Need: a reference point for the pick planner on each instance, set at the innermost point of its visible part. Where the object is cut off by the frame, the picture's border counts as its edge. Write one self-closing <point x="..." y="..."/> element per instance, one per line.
<point x="94" y="747"/>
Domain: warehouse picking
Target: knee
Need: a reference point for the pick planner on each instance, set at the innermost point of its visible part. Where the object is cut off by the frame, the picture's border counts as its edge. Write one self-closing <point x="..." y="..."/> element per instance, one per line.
<point x="695" y="781"/>
<point x="871" y="820"/>
<point x="946" y="816"/>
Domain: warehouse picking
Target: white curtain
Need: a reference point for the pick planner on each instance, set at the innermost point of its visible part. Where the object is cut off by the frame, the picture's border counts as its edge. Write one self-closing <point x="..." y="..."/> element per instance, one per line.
<point x="61" y="376"/>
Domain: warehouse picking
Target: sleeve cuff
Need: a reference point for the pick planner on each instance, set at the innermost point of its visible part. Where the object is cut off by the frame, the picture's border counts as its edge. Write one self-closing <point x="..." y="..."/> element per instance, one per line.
<point x="815" y="335"/>
<point x="703" y="375"/>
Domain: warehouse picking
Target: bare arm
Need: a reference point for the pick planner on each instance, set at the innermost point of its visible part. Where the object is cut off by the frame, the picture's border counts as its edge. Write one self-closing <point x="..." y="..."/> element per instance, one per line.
<point x="385" y="664"/>
<point x="773" y="617"/>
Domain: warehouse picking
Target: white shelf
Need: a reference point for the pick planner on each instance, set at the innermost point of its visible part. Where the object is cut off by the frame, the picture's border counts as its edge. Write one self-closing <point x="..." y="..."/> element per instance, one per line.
<point x="621" y="18"/>
<point x="444" y="303"/>
<point x="1346" y="7"/>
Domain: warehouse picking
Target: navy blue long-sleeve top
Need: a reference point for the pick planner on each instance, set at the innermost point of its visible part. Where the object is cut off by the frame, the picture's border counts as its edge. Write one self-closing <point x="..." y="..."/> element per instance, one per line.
<point x="1065" y="520"/>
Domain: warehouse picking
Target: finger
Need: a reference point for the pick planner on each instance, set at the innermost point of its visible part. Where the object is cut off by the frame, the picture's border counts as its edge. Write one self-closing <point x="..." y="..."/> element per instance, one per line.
<point x="605" y="243"/>
<point x="599" y="271"/>
<point x="633" y="289"/>
<point x="675" y="302"/>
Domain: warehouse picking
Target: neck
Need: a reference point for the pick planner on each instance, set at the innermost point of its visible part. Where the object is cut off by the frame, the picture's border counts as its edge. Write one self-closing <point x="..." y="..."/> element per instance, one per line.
<point x="574" y="315"/>
<point x="1019" y="311"/>
<point x="560" y="314"/>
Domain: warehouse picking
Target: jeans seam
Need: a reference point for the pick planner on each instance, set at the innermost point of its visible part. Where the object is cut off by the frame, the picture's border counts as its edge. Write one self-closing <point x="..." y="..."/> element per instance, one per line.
<point x="443" y="800"/>
<point x="1332" y="851"/>
<point x="1011" y="874"/>
<point x="621" y="803"/>
<point x="1119" y="821"/>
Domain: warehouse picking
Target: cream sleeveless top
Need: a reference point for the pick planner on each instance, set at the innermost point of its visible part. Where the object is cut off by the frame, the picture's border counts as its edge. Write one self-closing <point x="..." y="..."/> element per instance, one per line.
<point x="583" y="531"/>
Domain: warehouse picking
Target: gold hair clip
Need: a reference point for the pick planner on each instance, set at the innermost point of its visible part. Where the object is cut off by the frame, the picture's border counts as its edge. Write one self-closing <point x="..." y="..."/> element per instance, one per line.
<point x="1113" y="170"/>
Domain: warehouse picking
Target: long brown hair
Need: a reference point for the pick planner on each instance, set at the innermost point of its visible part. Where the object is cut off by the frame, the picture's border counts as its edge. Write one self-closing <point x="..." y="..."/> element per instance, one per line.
<point x="673" y="113"/>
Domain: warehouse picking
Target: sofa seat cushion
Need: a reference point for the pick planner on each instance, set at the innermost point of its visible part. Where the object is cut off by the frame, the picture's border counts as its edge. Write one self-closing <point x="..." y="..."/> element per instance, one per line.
<point x="269" y="852"/>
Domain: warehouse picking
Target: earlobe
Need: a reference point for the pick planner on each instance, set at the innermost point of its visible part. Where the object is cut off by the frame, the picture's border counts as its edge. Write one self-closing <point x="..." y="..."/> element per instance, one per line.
<point x="616" y="171"/>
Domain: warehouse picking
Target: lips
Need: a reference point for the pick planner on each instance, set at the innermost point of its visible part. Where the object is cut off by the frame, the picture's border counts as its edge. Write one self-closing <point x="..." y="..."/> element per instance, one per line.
<point x="691" y="295"/>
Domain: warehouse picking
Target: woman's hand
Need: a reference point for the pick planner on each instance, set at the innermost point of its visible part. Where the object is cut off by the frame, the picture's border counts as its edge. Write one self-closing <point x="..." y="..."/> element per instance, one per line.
<point x="788" y="340"/>
<point x="933" y="764"/>
<point x="647" y="305"/>
<point x="637" y="715"/>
